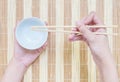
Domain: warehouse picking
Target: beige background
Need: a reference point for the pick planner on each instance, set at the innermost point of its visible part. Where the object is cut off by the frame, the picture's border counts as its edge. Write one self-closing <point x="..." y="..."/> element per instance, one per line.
<point x="62" y="61"/>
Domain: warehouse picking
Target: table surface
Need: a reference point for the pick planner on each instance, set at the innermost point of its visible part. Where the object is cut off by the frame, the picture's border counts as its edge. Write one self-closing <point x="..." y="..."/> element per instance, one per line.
<point x="62" y="61"/>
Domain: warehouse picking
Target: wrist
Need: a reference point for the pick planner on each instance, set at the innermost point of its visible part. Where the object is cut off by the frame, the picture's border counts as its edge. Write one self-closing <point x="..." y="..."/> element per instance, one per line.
<point x="18" y="64"/>
<point x="106" y="62"/>
<point x="14" y="72"/>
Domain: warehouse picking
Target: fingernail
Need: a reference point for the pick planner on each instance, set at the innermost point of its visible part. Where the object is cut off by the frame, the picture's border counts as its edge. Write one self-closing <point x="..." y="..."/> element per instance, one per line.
<point x="70" y="38"/>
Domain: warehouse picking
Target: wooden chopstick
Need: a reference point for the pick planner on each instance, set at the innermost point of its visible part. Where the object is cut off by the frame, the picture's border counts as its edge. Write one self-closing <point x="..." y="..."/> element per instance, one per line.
<point x="94" y="26"/>
<point x="78" y="33"/>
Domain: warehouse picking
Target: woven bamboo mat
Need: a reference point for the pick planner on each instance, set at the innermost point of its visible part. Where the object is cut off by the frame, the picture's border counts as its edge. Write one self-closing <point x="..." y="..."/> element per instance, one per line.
<point x="62" y="61"/>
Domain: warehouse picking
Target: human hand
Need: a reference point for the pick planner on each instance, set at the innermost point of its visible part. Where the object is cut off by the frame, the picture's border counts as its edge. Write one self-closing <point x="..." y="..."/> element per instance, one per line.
<point x="24" y="56"/>
<point x="20" y="62"/>
<point x="27" y="57"/>
<point x="98" y="44"/>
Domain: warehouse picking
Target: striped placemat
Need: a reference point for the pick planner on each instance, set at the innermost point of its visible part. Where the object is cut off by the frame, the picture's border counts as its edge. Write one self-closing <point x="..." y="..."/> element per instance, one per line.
<point x="62" y="61"/>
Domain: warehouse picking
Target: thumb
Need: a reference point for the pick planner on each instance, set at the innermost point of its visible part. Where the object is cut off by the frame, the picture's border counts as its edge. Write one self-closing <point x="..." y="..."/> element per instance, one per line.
<point x="87" y="34"/>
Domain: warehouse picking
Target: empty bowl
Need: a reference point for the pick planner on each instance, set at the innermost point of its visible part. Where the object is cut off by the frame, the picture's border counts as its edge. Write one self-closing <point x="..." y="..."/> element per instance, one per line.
<point x="27" y="38"/>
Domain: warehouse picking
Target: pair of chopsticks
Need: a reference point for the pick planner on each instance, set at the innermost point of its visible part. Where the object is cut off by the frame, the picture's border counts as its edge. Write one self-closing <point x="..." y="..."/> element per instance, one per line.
<point x="41" y="28"/>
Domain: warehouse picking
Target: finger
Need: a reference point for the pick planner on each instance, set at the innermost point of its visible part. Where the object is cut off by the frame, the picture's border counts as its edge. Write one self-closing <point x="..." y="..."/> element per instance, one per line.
<point x="71" y="36"/>
<point x="86" y="33"/>
<point x="93" y="29"/>
<point x="80" y="22"/>
<point x="74" y="29"/>
<point x="93" y="18"/>
<point x="40" y="50"/>
<point x="43" y="47"/>
<point x="16" y="43"/>
<point x="89" y="18"/>
<point x="97" y="20"/>
<point x="15" y="28"/>
<point x="77" y="38"/>
<point x="102" y="30"/>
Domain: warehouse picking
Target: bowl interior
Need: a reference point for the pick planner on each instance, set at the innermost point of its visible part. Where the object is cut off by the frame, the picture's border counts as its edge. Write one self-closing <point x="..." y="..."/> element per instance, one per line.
<point x="28" y="38"/>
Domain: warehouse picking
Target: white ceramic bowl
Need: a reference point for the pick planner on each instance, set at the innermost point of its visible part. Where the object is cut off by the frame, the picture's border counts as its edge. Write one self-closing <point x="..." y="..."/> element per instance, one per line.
<point x="27" y="38"/>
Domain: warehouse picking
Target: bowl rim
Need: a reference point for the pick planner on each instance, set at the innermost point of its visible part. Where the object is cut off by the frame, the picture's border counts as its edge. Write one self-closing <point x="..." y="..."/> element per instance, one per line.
<point x="17" y="36"/>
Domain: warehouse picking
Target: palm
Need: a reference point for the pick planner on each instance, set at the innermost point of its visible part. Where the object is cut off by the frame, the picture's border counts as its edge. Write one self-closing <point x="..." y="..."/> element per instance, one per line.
<point x="26" y="56"/>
